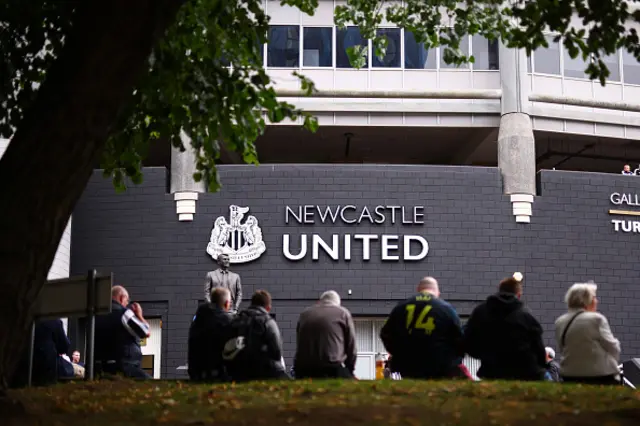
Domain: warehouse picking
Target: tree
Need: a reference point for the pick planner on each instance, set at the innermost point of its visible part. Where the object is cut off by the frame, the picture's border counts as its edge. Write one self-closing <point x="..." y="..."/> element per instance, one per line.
<point x="83" y="81"/>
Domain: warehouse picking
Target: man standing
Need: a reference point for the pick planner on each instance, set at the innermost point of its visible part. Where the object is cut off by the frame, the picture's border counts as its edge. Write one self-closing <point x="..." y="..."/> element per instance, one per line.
<point x="505" y="337"/>
<point x="326" y="344"/>
<point x="118" y="335"/>
<point x="224" y="278"/>
<point x="423" y="335"/>
<point x="207" y="336"/>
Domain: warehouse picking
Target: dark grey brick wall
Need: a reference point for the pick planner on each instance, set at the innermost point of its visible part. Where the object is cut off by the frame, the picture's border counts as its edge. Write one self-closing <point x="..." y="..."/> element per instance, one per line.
<point x="474" y="242"/>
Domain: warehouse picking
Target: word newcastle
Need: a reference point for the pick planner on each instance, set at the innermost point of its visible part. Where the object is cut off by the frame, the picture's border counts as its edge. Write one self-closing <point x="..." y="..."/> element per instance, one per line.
<point x="392" y="247"/>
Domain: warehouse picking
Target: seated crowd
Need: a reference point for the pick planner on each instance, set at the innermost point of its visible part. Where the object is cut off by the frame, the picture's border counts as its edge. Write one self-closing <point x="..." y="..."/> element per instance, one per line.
<point x="423" y="336"/>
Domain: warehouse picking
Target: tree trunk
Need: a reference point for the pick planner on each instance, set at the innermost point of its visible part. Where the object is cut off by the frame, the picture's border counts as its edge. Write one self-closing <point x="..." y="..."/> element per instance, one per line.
<point x="51" y="156"/>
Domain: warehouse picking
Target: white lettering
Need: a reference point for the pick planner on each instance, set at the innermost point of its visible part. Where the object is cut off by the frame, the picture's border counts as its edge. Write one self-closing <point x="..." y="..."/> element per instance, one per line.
<point x="386" y="247"/>
<point x="407" y="247"/>
<point x="380" y="214"/>
<point x="616" y="224"/>
<point x="328" y="212"/>
<point x="288" y="211"/>
<point x="615" y="198"/>
<point x="365" y="212"/>
<point x="308" y="214"/>
<point x="347" y="247"/>
<point x="287" y="251"/>
<point x="317" y="242"/>
<point x="626" y="226"/>
<point x="350" y="207"/>
<point x="418" y="217"/>
<point x="393" y="212"/>
<point x="366" y="244"/>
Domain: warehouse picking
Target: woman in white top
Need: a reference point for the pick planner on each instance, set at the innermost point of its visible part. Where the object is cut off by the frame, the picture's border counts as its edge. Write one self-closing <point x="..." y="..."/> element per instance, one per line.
<point x="590" y="353"/>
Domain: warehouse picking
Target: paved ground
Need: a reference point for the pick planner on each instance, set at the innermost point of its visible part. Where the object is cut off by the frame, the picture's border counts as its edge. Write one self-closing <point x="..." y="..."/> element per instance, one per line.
<point x="324" y="403"/>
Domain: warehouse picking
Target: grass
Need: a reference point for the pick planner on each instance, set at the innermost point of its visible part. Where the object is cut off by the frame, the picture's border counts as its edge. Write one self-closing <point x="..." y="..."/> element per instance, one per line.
<point x="320" y="403"/>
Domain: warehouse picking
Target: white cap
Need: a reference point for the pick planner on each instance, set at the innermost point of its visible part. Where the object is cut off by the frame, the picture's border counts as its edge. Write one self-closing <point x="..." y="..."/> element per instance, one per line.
<point x="550" y="352"/>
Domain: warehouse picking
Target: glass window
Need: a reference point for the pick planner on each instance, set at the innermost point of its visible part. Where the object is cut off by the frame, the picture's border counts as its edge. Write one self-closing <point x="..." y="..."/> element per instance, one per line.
<point x="318" y="47"/>
<point x="547" y="60"/>
<point x="574" y="67"/>
<point x="464" y="46"/>
<point x="416" y="57"/>
<point x="613" y="63"/>
<point x="392" y="57"/>
<point x="345" y="39"/>
<point x="485" y="53"/>
<point x="630" y="68"/>
<point x="283" y="48"/>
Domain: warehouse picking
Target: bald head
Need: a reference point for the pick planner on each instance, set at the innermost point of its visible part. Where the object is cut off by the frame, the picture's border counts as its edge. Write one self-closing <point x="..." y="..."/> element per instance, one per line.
<point x="429" y="285"/>
<point x="120" y="295"/>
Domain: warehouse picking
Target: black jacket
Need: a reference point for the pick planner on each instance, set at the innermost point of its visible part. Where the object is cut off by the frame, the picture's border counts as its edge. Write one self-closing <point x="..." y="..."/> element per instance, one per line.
<point x="207" y="335"/>
<point x="506" y="338"/>
<point x="259" y="354"/>
<point x="424" y="336"/>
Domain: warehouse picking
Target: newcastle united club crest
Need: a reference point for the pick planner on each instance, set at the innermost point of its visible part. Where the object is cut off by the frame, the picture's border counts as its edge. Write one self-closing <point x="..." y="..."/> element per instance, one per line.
<point x="240" y="239"/>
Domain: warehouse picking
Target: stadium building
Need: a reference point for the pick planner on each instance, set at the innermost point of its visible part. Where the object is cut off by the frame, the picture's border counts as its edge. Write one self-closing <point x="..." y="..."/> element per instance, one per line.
<point x="468" y="174"/>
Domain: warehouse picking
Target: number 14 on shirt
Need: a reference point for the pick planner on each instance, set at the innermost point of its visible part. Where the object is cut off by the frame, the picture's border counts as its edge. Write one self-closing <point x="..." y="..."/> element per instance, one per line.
<point x="422" y="322"/>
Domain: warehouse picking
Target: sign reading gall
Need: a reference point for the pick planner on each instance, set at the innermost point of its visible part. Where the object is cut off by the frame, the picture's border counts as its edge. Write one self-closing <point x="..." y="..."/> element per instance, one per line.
<point x="390" y="247"/>
<point x="622" y="199"/>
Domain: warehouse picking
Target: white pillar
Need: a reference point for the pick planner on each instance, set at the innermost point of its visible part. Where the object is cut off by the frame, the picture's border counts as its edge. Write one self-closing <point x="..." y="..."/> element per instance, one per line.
<point x="185" y="190"/>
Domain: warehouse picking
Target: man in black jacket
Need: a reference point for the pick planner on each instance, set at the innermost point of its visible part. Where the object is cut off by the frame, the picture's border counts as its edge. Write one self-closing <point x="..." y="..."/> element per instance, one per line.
<point x="505" y="337"/>
<point x="207" y="336"/>
<point x="254" y="348"/>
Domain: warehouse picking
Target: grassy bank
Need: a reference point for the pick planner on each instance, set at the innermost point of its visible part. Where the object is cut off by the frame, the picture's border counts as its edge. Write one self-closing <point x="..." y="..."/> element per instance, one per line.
<point x="325" y="403"/>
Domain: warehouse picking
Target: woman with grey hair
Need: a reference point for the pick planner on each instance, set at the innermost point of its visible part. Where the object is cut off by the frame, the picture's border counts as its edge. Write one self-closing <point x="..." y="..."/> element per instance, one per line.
<point x="590" y="353"/>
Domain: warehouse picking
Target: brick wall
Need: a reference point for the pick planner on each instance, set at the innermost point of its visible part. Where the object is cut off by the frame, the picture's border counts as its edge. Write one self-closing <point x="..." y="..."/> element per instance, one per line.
<point x="473" y="238"/>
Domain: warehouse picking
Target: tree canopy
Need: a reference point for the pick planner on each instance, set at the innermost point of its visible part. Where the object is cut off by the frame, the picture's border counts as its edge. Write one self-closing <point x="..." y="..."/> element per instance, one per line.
<point x="189" y="85"/>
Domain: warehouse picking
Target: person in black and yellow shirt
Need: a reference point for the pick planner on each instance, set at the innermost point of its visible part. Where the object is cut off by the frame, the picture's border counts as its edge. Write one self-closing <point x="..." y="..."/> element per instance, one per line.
<point x="423" y="335"/>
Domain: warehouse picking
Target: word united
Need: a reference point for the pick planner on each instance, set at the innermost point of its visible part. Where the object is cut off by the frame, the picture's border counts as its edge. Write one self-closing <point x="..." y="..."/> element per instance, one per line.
<point x="391" y="247"/>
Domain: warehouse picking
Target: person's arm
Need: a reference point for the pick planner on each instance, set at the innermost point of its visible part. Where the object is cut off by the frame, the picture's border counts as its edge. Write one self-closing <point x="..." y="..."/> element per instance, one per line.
<point x="207" y="288"/>
<point x="472" y="337"/>
<point x="238" y="294"/>
<point x="608" y="342"/>
<point x="388" y="333"/>
<point x="456" y="331"/>
<point x="274" y="341"/>
<point x="537" y="344"/>
<point x="61" y="339"/>
<point x="350" y="343"/>
<point x="135" y="323"/>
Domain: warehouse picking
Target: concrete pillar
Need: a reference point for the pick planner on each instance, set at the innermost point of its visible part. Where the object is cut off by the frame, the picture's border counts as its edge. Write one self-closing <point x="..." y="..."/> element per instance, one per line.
<point x="516" y="144"/>
<point x="184" y="189"/>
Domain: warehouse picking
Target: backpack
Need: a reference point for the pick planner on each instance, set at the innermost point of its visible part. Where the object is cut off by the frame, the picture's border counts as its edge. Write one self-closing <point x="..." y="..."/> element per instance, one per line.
<point x="244" y="352"/>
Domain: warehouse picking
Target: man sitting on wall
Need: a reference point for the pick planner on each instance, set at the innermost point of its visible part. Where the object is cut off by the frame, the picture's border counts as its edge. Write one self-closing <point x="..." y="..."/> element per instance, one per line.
<point x="207" y="335"/>
<point x="254" y="348"/>
<point x="325" y="339"/>
<point x="626" y="170"/>
<point x="424" y="336"/>
<point x="505" y="337"/>
<point x="118" y="335"/>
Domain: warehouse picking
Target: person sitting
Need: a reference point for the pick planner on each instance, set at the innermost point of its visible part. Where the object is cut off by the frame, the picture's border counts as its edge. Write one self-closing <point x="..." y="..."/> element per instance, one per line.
<point x="254" y="348"/>
<point x="626" y="170"/>
<point x="505" y="337"/>
<point x="553" y="369"/>
<point x="590" y="352"/>
<point x="325" y="342"/>
<point x="424" y="336"/>
<point x="207" y="335"/>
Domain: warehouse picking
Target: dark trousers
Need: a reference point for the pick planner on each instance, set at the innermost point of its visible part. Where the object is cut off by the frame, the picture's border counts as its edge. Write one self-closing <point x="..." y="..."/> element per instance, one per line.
<point x="330" y="371"/>
<point x="600" y="380"/>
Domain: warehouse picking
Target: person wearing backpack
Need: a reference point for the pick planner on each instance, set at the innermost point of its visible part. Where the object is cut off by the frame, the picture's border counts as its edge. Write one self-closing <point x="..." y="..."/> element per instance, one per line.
<point x="207" y="335"/>
<point x="254" y="348"/>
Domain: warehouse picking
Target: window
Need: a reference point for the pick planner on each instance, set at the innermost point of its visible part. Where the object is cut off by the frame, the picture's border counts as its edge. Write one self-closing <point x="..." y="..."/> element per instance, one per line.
<point x="392" y="57"/>
<point x="574" y="67"/>
<point x="630" y="68"/>
<point x="485" y="53"/>
<point x="613" y="63"/>
<point x="318" y="47"/>
<point x="547" y="60"/>
<point x="416" y="57"/>
<point x="283" y="49"/>
<point x="464" y="46"/>
<point x="345" y="39"/>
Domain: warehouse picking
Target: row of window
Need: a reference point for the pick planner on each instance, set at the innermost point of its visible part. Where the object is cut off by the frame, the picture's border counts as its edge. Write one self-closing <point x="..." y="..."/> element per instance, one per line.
<point x="289" y="46"/>
<point x="556" y="60"/>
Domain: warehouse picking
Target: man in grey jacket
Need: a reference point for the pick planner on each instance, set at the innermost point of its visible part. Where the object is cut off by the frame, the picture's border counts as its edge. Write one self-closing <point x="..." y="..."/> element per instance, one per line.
<point x="223" y="277"/>
<point x="326" y="345"/>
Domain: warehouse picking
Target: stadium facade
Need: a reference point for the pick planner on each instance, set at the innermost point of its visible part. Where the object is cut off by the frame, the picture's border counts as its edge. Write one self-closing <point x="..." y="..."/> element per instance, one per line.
<point x="467" y="174"/>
